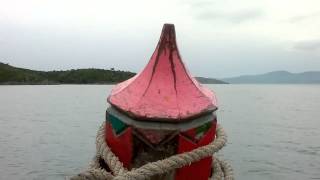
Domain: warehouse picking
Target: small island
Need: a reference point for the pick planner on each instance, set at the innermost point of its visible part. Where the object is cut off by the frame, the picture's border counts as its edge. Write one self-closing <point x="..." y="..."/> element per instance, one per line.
<point x="14" y="75"/>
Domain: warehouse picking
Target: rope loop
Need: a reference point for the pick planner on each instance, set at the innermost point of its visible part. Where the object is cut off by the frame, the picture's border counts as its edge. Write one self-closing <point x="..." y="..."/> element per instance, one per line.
<point x="221" y="169"/>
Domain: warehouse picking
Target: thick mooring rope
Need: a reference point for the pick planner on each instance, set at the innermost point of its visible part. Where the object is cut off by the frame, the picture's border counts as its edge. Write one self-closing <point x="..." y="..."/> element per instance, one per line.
<point x="221" y="169"/>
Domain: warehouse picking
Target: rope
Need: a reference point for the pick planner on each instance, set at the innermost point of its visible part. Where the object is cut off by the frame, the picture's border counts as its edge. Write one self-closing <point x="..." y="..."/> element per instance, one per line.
<point x="221" y="169"/>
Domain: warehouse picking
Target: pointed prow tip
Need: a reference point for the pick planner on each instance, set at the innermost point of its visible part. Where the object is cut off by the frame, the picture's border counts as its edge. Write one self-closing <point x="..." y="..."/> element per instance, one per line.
<point x="168" y="28"/>
<point x="168" y="34"/>
<point x="168" y="25"/>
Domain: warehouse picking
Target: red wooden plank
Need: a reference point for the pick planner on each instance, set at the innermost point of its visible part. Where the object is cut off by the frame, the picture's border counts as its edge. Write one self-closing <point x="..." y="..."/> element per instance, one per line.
<point x="121" y="145"/>
<point x="199" y="170"/>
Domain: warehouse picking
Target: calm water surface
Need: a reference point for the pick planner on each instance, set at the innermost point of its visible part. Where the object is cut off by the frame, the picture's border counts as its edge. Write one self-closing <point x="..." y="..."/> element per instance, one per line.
<point x="48" y="132"/>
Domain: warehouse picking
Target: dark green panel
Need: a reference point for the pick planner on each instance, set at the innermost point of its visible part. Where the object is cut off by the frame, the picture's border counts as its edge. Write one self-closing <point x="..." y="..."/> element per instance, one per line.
<point x="116" y="123"/>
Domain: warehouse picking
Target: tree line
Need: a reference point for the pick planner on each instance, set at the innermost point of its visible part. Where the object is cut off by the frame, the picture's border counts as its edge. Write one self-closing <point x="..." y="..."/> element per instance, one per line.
<point x="14" y="75"/>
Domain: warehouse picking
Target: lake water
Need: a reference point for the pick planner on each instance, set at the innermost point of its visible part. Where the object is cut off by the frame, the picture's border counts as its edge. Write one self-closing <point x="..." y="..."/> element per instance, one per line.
<point x="48" y="132"/>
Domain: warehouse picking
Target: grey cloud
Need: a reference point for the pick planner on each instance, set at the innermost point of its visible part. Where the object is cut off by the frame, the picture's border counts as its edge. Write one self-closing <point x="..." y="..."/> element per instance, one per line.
<point x="198" y="3"/>
<point x="202" y="4"/>
<point x="296" y="19"/>
<point x="234" y="17"/>
<point x="307" y="45"/>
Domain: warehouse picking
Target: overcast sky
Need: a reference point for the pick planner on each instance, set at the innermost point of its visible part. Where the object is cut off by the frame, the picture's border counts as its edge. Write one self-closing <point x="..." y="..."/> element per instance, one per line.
<point x="216" y="38"/>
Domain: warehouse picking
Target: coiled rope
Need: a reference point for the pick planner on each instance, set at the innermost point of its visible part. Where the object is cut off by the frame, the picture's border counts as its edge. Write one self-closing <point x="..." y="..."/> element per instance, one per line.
<point x="221" y="169"/>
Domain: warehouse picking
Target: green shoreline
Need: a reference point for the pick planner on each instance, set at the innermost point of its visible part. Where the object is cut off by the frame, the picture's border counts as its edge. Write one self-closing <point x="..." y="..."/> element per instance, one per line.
<point x="10" y="75"/>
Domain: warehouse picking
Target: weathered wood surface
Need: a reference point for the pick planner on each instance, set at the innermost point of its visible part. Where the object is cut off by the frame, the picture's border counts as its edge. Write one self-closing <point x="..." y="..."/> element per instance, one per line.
<point x="164" y="90"/>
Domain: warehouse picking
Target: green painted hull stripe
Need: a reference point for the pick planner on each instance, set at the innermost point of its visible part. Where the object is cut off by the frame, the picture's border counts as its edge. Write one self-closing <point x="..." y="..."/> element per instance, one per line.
<point x="116" y="123"/>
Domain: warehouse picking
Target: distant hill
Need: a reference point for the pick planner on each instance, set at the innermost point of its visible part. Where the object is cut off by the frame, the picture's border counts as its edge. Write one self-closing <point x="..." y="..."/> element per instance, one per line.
<point x="277" y="77"/>
<point x="204" y="80"/>
<point x="14" y="75"/>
